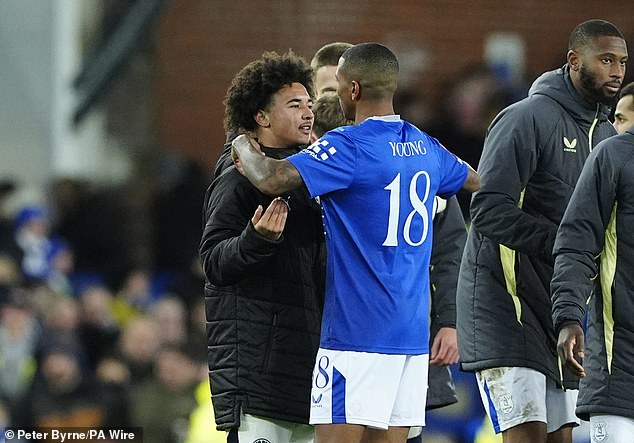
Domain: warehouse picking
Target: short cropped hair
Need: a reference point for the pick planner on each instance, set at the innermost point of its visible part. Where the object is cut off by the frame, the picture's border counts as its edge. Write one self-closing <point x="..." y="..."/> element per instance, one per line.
<point x="584" y="32"/>
<point x="252" y="88"/>
<point x="328" y="114"/>
<point x="328" y="55"/>
<point x="627" y="90"/>
<point x="374" y="66"/>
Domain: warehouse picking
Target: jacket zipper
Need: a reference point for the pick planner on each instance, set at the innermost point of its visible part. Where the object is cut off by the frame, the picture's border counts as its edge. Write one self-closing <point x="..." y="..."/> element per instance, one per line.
<point x="594" y="124"/>
<point x="590" y="133"/>
<point x="269" y="345"/>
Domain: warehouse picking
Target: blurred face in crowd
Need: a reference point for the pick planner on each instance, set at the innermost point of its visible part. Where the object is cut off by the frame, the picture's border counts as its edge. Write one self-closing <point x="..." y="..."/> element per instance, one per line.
<point x="325" y="80"/>
<point x="287" y="121"/>
<point x="38" y="226"/>
<point x="170" y="313"/>
<point x="64" y="316"/>
<point x="61" y="371"/>
<point x="624" y="114"/>
<point x="601" y="67"/>
<point x="95" y="306"/>
<point x="140" y="340"/>
<point x="175" y="370"/>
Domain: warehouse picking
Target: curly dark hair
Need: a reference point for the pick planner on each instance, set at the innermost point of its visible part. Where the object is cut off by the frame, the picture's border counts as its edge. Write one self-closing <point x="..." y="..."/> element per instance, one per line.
<point x="254" y="86"/>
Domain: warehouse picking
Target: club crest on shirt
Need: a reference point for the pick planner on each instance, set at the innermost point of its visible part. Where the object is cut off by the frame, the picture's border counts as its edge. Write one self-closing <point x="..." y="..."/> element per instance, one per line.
<point x="506" y="403"/>
<point x="261" y="440"/>
<point x="320" y="150"/>
<point x="599" y="431"/>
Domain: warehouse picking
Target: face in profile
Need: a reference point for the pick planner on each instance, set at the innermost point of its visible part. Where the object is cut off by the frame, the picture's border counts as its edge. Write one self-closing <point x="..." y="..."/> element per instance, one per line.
<point x="624" y="114"/>
<point x="602" y="68"/>
<point x="288" y="119"/>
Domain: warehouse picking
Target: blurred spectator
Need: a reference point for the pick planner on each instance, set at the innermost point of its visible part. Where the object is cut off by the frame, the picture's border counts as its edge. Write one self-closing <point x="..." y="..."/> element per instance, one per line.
<point x="61" y="262"/>
<point x="63" y="316"/>
<point x="138" y="344"/>
<point x="62" y="395"/>
<point x="98" y="330"/>
<point x="43" y="300"/>
<point x="134" y="297"/>
<point x="10" y="275"/>
<point x="162" y="405"/>
<point x="32" y="229"/>
<point x="170" y="313"/>
<point x="19" y="337"/>
<point x="114" y="376"/>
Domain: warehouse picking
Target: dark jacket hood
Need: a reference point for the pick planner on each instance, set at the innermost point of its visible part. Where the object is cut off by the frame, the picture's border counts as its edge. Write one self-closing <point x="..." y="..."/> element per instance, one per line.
<point x="558" y="86"/>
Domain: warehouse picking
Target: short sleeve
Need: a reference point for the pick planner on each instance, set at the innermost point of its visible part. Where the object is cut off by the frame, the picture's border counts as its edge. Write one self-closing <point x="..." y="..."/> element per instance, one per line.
<point x="328" y="164"/>
<point x="453" y="172"/>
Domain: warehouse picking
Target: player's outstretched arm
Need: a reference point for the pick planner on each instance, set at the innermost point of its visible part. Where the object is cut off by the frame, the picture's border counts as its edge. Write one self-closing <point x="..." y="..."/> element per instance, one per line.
<point x="271" y="176"/>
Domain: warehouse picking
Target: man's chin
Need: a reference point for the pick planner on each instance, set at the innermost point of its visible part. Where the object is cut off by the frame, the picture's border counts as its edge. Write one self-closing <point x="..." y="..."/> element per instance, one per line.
<point x="304" y="140"/>
<point x="608" y="98"/>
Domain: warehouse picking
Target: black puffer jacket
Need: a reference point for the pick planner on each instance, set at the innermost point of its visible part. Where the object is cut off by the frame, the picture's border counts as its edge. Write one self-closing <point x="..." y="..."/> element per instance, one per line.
<point x="594" y="271"/>
<point x="533" y="154"/>
<point x="263" y="300"/>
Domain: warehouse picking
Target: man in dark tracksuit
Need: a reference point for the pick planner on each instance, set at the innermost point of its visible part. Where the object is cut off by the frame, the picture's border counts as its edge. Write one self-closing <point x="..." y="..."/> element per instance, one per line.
<point x="533" y="154"/>
<point x="594" y="266"/>
<point x="264" y="266"/>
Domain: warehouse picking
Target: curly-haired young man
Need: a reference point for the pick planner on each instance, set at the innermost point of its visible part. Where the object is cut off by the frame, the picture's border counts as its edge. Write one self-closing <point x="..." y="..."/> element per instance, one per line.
<point x="264" y="267"/>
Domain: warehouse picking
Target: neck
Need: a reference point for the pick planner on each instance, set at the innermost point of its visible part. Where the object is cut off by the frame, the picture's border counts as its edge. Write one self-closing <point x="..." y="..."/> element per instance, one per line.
<point x="268" y="140"/>
<point x="367" y="109"/>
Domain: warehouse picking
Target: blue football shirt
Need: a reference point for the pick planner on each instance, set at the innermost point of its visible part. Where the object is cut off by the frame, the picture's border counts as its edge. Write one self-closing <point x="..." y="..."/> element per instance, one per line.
<point x="376" y="182"/>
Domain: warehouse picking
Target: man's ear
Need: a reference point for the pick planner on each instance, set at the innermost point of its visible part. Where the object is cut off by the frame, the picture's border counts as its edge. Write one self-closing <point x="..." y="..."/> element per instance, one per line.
<point x="573" y="60"/>
<point x="356" y="90"/>
<point x="262" y="119"/>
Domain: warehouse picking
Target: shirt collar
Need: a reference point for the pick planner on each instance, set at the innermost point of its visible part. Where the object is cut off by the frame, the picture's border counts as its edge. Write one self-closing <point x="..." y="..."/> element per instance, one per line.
<point x="386" y="118"/>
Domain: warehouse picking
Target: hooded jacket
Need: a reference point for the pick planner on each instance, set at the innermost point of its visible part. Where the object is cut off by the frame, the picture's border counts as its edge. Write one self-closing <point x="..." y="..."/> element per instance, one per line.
<point x="533" y="154"/>
<point x="595" y="252"/>
<point x="263" y="300"/>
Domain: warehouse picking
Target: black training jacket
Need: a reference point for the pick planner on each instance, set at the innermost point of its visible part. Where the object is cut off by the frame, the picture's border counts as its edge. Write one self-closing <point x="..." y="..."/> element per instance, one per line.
<point x="263" y="300"/>
<point x="533" y="154"/>
<point x="594" y="252"/>
<point x="448" y="243"/>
